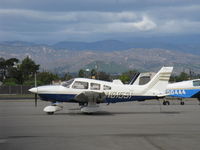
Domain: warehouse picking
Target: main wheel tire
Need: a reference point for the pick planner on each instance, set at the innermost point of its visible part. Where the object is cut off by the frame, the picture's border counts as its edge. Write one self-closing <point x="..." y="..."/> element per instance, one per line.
<point x="167" y="102"/>
<point x="164" y="103"/>
<point x="182" y="103"/>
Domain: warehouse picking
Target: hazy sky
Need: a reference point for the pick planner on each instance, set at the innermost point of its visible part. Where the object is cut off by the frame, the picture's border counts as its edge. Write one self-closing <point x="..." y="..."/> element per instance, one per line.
<point x="91" y="20"/>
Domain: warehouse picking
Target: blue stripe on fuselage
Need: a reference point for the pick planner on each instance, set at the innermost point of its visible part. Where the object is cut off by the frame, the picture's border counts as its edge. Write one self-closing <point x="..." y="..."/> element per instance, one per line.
<point x="57" y="97"/>
<point x="132" y="98"/>
<point x="71" y="97"/>
<point x="183" y="93"/>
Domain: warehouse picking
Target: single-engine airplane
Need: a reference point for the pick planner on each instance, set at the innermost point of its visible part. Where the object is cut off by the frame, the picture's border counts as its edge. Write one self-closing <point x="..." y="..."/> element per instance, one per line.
<point x="184" y="89"/>
<point x="178" y="90"/>
<point x="89" y="92"/>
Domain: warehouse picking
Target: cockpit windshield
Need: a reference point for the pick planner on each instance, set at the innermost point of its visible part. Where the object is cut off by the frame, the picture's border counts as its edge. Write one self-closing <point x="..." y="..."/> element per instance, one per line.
<point x="67" y="83"/>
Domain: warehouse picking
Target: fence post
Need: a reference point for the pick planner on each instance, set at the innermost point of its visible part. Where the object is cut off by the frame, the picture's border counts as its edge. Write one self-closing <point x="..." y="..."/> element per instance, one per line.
<point x="21" y="89"/>
<point x="9" y="89"/>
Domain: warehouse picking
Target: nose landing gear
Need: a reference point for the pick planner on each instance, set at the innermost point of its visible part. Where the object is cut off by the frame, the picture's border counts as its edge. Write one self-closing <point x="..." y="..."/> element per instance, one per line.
<point x="50" y="110"/>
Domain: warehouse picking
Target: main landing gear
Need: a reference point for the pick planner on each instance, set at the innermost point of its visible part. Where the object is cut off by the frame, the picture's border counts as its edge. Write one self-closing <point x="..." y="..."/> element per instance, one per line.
<point x="91" y="107"/>
<point x="182" y="103"/>
<point x="199" y="100"/>
<point x="166" y="102"/>
<point x="89" y="101"/>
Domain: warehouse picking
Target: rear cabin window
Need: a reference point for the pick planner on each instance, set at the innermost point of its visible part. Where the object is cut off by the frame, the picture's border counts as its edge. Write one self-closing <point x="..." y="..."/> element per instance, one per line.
<point x="80" y="85"/>
<point x="94" y="86"/>
<point x="196" y="83"/>
<point x="105" y="87"/>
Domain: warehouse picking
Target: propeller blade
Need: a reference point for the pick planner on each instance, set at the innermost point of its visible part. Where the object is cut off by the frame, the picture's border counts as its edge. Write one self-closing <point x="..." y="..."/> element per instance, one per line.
<point x="35" y="100"/>
<point x="37" y="89"/>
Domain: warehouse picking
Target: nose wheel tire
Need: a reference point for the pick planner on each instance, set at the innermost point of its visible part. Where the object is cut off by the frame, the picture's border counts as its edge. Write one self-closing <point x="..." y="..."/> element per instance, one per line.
<point x="52" y="108"/>
<point x="50" y="113"/>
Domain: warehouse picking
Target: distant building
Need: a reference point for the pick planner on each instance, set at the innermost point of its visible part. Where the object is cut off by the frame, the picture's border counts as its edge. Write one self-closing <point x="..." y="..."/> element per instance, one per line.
<point x="93" y="77"/>
<point x="56" y="82"/>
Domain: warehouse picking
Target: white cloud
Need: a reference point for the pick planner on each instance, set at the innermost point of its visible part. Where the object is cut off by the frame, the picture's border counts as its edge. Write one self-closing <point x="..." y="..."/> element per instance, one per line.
<point x="145" y="25"/>
<point x="81" y="21"/>
<point x="37" y="15"/>
<point x="35" y="21"/>
<point x="73" y="16"/>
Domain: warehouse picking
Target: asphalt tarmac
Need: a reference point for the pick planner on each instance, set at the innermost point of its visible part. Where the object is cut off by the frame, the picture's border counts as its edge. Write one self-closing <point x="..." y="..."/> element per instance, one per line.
<point x="121" y="126"/>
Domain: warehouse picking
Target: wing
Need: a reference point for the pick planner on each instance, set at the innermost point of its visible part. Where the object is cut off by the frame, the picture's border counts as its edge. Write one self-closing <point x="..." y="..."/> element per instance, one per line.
<point x="90" y="96"/>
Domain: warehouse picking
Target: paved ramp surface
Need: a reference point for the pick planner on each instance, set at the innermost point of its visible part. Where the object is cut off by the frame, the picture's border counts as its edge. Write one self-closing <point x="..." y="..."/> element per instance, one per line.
<point x="124" y="126"/>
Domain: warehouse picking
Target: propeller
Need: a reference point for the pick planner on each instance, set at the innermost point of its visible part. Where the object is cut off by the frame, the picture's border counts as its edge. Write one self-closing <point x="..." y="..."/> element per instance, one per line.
<point x="36" y="100"/>
<point x="36" y="95"/>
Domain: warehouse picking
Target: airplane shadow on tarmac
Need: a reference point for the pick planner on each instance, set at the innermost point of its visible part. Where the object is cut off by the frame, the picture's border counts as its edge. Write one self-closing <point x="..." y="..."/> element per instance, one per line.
<point x="106" y="113"/>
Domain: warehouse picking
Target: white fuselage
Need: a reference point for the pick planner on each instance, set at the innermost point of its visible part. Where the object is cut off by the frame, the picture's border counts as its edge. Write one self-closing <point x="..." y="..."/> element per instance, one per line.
<point x="113" y="91"/>
<point x="185" y="89"/>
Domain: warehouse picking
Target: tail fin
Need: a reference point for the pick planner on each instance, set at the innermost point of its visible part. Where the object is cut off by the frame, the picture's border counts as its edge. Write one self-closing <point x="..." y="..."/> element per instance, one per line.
<point x="158" y="84"/>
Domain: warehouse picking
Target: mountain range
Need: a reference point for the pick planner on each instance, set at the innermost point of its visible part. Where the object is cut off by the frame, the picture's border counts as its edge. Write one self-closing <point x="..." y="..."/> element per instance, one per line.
<point x="111" y="56"/>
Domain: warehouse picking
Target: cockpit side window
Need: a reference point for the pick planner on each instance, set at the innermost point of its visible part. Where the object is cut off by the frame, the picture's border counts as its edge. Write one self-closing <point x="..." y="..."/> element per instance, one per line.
<point x="94" y="86"/>
<point x="196" y="83"/>
<point x="105" y="87"/>
<point x="80" y="85"/>
<point x="67" y="83"/>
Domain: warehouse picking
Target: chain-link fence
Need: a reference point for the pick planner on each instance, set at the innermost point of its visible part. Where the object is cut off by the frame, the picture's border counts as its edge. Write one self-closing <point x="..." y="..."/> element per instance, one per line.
<point x="19" y="89"/>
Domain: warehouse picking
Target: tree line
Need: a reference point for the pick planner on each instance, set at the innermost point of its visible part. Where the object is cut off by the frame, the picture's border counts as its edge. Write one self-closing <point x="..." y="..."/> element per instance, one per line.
<point x="16" y="72"/>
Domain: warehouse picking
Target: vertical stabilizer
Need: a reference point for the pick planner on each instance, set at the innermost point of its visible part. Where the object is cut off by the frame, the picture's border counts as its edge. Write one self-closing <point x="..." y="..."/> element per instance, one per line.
<point x="158" y="84"/>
